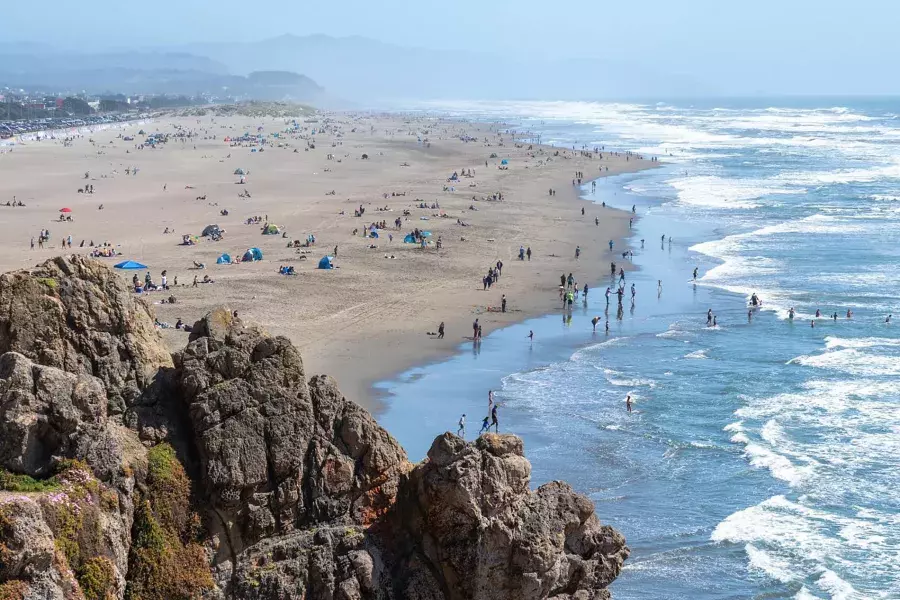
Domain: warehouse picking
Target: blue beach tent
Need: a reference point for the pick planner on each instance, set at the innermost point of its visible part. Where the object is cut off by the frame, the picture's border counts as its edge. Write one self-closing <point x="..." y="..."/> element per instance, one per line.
<point x="504" y="162"/>
<point x="225" y="259"/>
<point x="409" y="239"/>
<point x="253" y="254"/>
<point x="325" y="263"/>
<point x="130" y="264"/>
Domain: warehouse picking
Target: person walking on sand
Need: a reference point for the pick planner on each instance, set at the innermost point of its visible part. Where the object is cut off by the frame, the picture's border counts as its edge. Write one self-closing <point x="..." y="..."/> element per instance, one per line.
<point x="582" y="211"/>
<point x="577" y="252"/>
<point x="503" y="303"/>
<point x="461" y="432"/>
<point x="597" y="221"/>
<point x="32" y="243"/>
<point x="485" y="425"/>
<point x="628" y="402"/>
<point x="494" y="422"/>
<point x="610" y="245"/>
<point x="441" y="331"/>
<point x="528" y="253"/>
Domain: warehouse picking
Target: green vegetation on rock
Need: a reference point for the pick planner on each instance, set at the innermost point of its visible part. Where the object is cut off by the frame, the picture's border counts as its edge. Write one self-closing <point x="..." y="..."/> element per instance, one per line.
<point x="13" y="482"/>
<point x="166" y="562"/>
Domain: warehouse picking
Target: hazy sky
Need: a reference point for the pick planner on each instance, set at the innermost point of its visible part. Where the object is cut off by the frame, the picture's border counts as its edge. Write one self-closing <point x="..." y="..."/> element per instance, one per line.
<point x="790" y="46"/>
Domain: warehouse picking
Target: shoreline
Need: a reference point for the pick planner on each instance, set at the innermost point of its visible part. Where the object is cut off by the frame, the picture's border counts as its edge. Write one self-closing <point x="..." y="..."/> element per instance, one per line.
<point x="378" y="396"/>
<point x="368" y="319"/>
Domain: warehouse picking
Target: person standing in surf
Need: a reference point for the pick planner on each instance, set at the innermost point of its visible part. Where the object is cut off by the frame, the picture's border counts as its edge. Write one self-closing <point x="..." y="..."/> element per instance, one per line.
<point x="628" y="402"/>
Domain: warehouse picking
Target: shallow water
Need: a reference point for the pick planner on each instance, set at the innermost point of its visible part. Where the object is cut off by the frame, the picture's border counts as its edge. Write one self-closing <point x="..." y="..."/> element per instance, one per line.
<point x="761" y="459"/>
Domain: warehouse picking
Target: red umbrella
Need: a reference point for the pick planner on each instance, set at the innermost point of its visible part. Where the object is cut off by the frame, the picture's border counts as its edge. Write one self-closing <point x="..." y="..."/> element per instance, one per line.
<point x="65" y="210"/>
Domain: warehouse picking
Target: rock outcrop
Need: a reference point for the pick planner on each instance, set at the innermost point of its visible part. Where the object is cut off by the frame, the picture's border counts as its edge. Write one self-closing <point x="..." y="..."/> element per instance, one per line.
<point x="298" y="493"/>
<point x="75" y="314"/>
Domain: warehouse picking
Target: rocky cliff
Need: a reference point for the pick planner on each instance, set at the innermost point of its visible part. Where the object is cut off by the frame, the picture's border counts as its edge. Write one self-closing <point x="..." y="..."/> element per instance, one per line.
<point x="224" y="472"/>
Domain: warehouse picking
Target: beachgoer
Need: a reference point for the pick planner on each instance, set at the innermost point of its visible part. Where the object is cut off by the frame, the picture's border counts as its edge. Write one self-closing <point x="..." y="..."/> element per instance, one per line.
<point x="494" y="422"/>
<point x="715" y="321"/>
<point x="528" y="253"/>
<point x="461" y="432"/>
<point x="695" y="273"/>
<point x="485" y="425"/>
<point x="594" y="322"/>
<point x="531" y="335"/>
<point x="709" y="317"/>
<point x="608" y="291"/>
<point x="441" y="331"/>
<point x="503" y="303"/>
<point x="628" y="402"/>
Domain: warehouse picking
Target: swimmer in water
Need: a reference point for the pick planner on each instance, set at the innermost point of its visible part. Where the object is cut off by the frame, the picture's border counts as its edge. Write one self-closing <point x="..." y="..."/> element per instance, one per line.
<point x="715" y="321"/>
<point x="849" y="314"/>
<point x="812" y="323"/>
<point x="709" y="317"/>
<point x="791" y="314"/>
<point x="628" y="402"/>
<point x="818" y="313"/>
<point x="695" y="273"/>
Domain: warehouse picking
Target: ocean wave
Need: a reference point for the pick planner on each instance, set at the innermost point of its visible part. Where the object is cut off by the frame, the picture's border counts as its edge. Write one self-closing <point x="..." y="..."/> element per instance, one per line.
<point x="869" y="342"/>
<point x="696" y="354"/>
<point x="851" y="360"/>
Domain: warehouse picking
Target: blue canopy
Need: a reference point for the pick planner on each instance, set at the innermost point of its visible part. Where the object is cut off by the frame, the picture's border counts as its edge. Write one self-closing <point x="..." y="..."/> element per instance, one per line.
<point x="409" y="239"/>
<point x="253" y="254"/>
<point x="130" y="264"/>
<point x="373" y="234"/>
<point x="504" y="162"/>
<point x="225" y="259"/>
<point x="325" y="263"/>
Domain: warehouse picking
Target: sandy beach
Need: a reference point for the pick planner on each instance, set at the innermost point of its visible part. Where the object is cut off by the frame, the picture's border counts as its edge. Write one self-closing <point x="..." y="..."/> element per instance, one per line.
<point x="371" y="316"/>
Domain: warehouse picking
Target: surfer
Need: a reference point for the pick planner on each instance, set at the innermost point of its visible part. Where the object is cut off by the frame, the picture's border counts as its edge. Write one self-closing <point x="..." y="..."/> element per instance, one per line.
<point x="628" y="402"/>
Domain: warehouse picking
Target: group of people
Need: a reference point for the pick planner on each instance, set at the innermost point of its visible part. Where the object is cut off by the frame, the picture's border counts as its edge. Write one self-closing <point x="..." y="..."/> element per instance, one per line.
<point x="489" y="421"/>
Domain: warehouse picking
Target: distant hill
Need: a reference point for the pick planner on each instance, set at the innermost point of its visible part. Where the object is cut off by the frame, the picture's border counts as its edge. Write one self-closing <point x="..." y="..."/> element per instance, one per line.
<point x="366" y="70"/>
<point x="145" y="73"/>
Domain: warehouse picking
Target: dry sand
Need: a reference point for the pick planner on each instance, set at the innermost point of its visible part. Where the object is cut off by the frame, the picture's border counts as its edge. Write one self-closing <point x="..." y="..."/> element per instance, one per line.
<point x="369" y="318"/>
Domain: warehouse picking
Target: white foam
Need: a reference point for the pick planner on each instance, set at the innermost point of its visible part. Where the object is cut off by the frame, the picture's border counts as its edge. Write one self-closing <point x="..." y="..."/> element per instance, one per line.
<point x="869" y="342"/>
<point x="851" y="360"/>
<point x="720" y="192"/>
<point x="780" y="466"/>
<point x="696" y="354"/>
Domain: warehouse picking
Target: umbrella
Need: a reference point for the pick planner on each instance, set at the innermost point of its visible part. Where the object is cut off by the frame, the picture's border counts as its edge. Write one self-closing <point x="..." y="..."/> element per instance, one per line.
<point x="65" y="210"/>
<point x="130" y="264"/>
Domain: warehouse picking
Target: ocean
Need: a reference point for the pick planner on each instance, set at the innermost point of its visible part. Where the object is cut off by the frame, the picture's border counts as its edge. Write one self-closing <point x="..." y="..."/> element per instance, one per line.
<point x="761" y="460"/>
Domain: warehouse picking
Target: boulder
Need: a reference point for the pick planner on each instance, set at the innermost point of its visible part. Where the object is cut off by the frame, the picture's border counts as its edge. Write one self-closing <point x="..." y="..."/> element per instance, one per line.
<point x="76" y="314"/>
<point x="278" y="453"/>
<point x="470" y="528"/>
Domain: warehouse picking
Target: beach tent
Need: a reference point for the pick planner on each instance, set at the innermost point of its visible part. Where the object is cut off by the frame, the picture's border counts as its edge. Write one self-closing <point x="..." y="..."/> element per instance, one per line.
<point x="409" y="239"/>
<point x="238" y="171"/>
<point x="373" y="234"/>
<point x="325" y="263"/>
<point x="271" y="229"/>
<point x="130" y="264"/>
<point x="425" y="233"/>
<point x="504" y="162"/>
<point x="225" y="259"/>
<point x="210" y="230"/>
<point x="65" y="210"/>
<point x="253" y="254"/>
<point x="453" y="177"/>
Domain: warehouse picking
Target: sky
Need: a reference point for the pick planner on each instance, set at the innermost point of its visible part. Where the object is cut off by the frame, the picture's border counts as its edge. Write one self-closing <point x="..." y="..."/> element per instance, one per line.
<point x="763" y="46"/>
